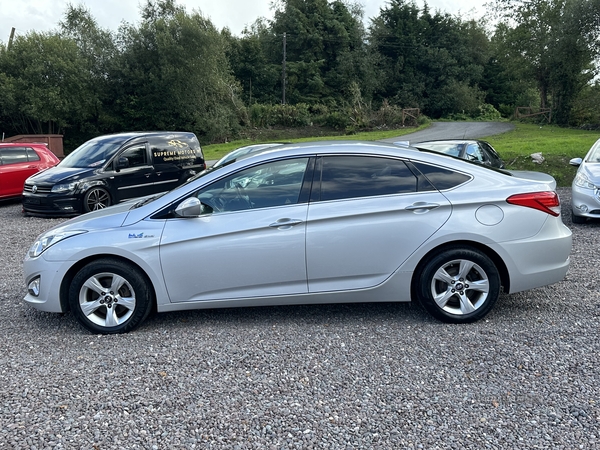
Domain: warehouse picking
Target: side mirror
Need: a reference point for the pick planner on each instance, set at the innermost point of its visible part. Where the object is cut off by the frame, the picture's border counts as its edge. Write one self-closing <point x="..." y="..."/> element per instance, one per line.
<point x="122" y="163"/>
<point x="190" y="207"/>
<point x="576" y="162"/>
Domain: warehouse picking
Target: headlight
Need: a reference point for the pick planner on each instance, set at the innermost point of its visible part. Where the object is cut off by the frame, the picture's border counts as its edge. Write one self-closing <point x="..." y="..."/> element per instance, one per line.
<point x="583" y="181"/>
<point x="64" y="187"/>
<point x="47" y="240"/>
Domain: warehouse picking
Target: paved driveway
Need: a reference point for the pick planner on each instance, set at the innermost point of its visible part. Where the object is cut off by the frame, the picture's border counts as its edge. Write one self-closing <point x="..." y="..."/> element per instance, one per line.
<point x="455" y="130"/>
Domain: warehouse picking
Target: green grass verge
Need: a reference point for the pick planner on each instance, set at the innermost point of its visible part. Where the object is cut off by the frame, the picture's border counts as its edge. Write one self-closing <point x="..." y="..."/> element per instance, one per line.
<point x="216" y="151"/>
<point x="557" y="145"/>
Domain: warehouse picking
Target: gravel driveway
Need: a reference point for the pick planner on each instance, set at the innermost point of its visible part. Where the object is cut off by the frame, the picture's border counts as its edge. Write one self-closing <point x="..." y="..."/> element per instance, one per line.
<point x="382" y="376"/>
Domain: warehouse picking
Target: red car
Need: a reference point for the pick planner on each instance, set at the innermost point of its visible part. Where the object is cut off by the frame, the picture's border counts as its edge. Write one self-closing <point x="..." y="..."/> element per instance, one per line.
<point x="18" y="161"/>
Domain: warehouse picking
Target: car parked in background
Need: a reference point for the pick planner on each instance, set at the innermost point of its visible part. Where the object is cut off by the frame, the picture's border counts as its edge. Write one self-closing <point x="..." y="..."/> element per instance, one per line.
<point x="320" y="222"/>
<point x="18" y="161"/>
<point x="472" y="150"/>
<point x="245" y="152"/>
<point x="585" y="201"/>
<point x="109" y="169"/>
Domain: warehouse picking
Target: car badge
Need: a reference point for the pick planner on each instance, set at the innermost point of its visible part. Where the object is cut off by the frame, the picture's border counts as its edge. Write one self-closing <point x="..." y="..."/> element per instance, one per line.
<point x="34" y="189"/>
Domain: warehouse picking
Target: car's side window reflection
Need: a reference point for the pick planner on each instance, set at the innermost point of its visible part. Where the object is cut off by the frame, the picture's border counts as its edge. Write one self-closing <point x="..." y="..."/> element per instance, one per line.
<point x="276" y="183"/>
<point x="363" y="176"/>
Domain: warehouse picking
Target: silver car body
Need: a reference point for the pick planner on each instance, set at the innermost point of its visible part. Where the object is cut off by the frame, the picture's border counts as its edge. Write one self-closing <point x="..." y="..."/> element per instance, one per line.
<point x="586" y="186"/>
<point x="354" y="250"/>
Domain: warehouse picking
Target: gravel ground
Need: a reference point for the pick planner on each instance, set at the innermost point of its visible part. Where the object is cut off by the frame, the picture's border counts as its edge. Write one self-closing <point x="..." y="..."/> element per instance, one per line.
<point x="383" y="376"/>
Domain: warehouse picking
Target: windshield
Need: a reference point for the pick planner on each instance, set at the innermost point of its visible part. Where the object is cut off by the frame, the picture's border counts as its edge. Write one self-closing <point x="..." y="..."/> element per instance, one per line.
<point x="93" y="153"/>
<point x="446" y="148"/>
<point x="594" y="155"/>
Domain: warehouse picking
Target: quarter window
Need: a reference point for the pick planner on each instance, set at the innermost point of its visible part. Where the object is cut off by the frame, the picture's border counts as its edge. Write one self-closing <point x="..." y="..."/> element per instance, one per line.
<point x="363" y="176"/>
<point x="441" y="177"/>
<point x="32" y="155"/>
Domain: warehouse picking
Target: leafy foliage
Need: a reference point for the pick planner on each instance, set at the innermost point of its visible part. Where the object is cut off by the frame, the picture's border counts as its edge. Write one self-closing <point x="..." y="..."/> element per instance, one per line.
<point x="175" y="70"/>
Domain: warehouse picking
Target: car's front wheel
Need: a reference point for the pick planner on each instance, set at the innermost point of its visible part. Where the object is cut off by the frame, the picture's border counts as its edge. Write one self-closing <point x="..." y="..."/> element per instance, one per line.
<point x="110" y="296"/>
<point x="577" y="219"/>
<point x="458" y="285"/>
<point x="96" y="198"/>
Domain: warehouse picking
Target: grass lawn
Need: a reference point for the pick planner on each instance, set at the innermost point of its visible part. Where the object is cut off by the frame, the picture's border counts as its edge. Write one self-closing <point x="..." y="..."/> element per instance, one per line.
<point x="557" y="145"/>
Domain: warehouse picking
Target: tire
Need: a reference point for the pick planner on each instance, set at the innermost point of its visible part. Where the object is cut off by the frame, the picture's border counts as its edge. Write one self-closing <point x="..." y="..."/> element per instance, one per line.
<point x="103" y="310"/>
<point x="459" y="285"/>
<point x="577" y="219"/>
<point x="96" y="198"/>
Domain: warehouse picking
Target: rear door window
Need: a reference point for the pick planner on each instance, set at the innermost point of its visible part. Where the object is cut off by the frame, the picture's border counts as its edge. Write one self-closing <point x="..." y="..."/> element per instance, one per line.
<point x="343" y="177"/>
<point x="13" y="155"/>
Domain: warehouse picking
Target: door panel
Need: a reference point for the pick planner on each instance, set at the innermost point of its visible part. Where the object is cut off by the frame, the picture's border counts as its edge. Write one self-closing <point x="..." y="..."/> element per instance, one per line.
<point x="250" y="244"/>
<point x="359" y="243"/>
<point x="15" y="169"/>
<point x="235" y="254"/>
<point x="368" y="221"/>
<point x="137" y="179"/>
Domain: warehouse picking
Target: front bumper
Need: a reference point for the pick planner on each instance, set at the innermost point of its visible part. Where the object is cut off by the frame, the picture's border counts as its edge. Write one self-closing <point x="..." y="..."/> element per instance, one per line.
<point x="585" y="202"/>
<point x="50" y="275"/>
<point x="51" y="204"/>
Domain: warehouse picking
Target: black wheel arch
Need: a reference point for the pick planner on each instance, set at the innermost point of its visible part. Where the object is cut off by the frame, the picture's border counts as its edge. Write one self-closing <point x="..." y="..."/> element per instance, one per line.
<point x="469" y="245"/>
<point x="70" y="275"/>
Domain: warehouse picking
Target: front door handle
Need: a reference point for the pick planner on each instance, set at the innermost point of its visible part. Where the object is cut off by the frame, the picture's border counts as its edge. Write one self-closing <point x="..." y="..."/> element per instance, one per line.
<point x="422" y="207"/>
<point x="285" y="224"/>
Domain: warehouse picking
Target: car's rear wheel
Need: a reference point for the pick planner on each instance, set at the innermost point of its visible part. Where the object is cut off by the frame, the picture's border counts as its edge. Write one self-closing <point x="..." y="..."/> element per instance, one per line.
<point x="96" y="198"/>
<point x="577" y="219"/>
<point x="458" y="285"/>
<point x="110" y="296"/>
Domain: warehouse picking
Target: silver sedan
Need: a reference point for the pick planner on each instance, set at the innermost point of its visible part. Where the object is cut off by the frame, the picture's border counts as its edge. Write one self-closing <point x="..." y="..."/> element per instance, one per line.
<point x="324" y="222"/>
<point x="586" y="186"/>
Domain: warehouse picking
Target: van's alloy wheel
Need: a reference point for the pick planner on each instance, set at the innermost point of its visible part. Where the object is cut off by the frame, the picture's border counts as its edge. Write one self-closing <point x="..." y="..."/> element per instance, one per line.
<point x="459" y="285"/>
<point x="96" y="198"/>
<point x="110" y="296"/>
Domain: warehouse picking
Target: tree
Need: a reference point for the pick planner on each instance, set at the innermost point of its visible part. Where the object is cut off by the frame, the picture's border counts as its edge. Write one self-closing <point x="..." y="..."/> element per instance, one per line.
<point x="43" y="84"/>
<point x="325" y="49"/>
<point x="431" y="61"/>
<point x="97" y="48"/>
<point x="172" y="73"/>
<point x="554" y="42"/>
<point x="253" y="66"/>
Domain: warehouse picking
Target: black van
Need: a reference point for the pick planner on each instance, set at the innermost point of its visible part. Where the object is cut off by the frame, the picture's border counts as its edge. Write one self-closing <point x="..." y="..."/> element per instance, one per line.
<point x="109" y="169"/>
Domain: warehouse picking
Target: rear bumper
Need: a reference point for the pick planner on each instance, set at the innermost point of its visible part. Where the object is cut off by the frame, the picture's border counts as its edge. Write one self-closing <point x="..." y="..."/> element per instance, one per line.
<point x="540" y="260"/>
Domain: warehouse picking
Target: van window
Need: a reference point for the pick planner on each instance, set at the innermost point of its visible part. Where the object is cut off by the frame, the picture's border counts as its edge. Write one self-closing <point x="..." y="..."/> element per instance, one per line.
<point x="136" y="156"/>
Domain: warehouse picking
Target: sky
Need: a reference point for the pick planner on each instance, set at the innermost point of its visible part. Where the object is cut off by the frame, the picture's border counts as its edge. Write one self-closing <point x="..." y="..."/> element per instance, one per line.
<point x="44" y="15"/>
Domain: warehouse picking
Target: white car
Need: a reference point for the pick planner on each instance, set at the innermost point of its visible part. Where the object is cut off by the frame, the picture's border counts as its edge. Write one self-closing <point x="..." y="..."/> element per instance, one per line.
<point x="323" y="222"/>
<point x="586" y="186"/>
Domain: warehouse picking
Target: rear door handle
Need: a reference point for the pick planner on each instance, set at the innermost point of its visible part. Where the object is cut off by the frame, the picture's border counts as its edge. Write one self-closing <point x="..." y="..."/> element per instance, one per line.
<point x="285" y="224"/>
<point x="422" y="207"/>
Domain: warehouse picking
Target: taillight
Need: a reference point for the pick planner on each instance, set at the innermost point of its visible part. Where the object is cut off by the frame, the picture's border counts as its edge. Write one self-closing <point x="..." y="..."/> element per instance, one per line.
<point x="547" y="202"/>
